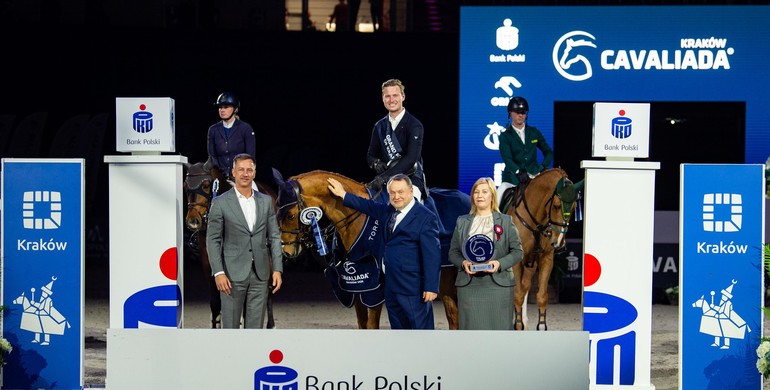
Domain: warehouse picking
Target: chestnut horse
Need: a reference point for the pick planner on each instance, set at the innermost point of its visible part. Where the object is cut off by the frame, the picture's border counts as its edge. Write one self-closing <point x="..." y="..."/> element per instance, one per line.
<point x="200" y="185"/>
<point x="542" y="217"/>
<point x="310" y="189"/>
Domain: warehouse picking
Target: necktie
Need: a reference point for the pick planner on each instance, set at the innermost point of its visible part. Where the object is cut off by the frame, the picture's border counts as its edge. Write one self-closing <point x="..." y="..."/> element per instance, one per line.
<point x="392" y="221"/>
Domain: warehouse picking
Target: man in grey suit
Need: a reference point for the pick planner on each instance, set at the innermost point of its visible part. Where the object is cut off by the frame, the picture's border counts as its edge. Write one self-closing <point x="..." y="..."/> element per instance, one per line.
<point x="242" y="225"/>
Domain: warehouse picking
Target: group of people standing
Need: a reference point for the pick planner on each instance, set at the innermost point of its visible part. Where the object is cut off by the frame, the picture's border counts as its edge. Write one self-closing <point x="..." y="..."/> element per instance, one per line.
<point x="243" y="229"/>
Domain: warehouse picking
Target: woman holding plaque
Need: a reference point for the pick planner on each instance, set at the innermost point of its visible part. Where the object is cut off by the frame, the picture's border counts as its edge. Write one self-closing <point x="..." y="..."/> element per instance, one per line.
<point x="485" y="246"/>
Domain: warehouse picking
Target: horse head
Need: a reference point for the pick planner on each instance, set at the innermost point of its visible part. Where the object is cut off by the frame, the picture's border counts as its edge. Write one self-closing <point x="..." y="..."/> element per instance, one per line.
<point x="310" y="190"/>
<point x="201" y="183"/>
<point x="22" y="300"/>
<point x="288" y="203"/>
<point x="547" y="207"/>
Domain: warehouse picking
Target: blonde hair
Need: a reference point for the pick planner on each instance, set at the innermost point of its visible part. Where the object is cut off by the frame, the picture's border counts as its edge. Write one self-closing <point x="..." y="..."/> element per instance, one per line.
<point x="491" y="184"/>
<point x="393" y="83"/>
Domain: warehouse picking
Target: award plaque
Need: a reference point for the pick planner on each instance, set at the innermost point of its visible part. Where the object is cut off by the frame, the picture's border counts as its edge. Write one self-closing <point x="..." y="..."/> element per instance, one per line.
<point x="479" y="249"/>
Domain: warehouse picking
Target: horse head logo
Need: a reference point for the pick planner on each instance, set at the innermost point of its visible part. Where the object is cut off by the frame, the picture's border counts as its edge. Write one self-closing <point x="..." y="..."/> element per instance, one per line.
<point x="564" y="59"/>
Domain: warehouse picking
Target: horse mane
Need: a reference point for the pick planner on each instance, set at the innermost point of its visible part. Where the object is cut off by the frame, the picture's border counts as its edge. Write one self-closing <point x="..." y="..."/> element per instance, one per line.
<point x="351" y="185"/>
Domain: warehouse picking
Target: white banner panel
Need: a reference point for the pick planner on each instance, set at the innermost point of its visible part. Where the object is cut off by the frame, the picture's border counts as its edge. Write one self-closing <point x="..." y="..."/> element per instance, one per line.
<point x="146" y="241"/>
<point x="617" y="271"/>
<point x="345" y="359"/>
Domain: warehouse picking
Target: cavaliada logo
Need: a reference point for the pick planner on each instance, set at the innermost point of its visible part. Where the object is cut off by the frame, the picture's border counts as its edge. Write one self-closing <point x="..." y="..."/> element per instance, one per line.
<point x="574" y="53"/>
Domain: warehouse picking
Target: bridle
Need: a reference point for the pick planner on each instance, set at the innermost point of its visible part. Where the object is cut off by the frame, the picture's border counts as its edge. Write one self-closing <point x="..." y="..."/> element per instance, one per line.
<point x="304" y="235"/>
<point x="193" y="186"/>
<point x="548" y="226"/>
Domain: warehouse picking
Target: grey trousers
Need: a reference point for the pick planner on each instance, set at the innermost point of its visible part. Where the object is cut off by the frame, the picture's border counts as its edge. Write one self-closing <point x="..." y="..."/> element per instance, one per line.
<point x="247" y="299"/>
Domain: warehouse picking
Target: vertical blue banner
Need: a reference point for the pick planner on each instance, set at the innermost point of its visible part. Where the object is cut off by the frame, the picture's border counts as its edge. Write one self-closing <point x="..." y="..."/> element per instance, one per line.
<point x="721" y="289"/>
<point x="42" y="269"/>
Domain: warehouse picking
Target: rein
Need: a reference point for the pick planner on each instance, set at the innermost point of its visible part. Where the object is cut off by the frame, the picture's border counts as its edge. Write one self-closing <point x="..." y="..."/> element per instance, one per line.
<point x="542" y="229"/>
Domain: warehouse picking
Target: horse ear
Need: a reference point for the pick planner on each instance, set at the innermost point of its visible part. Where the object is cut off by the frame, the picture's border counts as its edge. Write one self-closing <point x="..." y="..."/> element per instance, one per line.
<point x="208" y="164"/>
<point x="278" y="177"/>
<point x="579" y="185"/>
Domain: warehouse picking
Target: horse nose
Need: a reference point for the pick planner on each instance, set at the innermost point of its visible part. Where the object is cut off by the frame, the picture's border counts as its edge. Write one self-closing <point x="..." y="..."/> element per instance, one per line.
<point x="193" y="223"/>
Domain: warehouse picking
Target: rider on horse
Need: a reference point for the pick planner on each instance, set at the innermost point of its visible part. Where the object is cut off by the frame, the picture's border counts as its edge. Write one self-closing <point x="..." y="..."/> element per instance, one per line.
<point x="396" y="143"/>
<point x="518" y="148"/>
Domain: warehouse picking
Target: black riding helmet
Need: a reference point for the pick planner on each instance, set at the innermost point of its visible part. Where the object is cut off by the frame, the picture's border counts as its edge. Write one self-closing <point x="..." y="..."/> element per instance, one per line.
<point x="228" y="99"/>
<point x="518" y="104"/>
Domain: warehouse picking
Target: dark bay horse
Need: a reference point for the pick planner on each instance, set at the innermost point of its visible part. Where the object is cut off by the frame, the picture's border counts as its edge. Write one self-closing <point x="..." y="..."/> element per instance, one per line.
<point x="310" y="190"/>
<point x="199" y="186"/>
<point x="542" y="217"/>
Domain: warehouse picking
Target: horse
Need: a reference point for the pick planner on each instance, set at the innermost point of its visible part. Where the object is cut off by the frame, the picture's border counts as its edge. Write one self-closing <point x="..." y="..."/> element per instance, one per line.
<point x="202" y="182"/>
<point x="310" y="190"/>
<point x="542" y="215"/>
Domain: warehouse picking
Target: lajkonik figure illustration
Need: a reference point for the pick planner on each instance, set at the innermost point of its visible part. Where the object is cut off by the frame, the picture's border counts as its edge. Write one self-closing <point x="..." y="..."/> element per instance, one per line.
<point x="719" y="320"/>
<point x="41" y="317"/>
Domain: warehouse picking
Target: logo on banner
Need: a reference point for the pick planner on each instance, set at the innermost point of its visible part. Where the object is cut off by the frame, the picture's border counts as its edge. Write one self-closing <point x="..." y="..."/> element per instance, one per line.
<point x="727" y="206"/>
<point x="47" y="217"/>
<point x="142" y="120"/>
<point x="492" y="139"/>
<point x="507" y="84"/>
<point x="39" y="316"/>
<point x="276" y="377"/>
<point x="621" y="126"/>
<point x="507" y="38"/>
<point x="693" y="53"/>
<point x="609" y="319"/>
<point x="719" y="320"/>
<point x="568" y="58"/>
<point x="156" y="306"/>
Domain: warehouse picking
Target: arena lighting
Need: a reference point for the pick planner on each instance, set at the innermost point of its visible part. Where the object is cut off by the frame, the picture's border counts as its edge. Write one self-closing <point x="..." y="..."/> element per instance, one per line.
<point x="674" y="121"/>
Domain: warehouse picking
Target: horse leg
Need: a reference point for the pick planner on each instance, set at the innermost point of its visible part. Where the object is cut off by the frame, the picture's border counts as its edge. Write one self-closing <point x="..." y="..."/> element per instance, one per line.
<point x="519" y="294"/>
<point x="373" y="317"/>
<point x="215" y="301"/>
<point x="448" y="293"/>
<point x="362" y="312"/>
<point x="546" y="266"/>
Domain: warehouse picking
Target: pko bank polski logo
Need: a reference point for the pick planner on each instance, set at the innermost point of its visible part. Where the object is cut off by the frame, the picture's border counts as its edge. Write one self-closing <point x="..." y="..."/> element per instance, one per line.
<point x="571" y="55"/>
<point x="276" y="377"/>
<point x="41" y="210"/>
<point x="142" y="120"/>
<point x="722" y="213"/>
<point x="621" y="126"/>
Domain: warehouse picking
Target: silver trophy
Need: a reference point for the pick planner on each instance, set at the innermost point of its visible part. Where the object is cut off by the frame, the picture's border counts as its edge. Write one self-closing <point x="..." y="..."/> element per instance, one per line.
<point x="479" y="249"/>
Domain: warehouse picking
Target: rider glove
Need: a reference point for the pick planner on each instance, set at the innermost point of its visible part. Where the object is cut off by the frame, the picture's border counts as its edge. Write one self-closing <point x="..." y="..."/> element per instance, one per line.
<point x="377" y="183"/>
<point x="521" y="174"/>
<point x="379" y="166"/>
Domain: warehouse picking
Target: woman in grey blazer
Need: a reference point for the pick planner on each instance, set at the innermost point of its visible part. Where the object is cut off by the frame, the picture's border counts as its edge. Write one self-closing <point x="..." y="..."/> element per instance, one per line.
<point x="485" y="298"/>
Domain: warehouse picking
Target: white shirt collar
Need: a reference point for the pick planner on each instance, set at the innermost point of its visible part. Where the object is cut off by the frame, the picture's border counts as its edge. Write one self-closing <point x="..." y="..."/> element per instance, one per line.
<point x="394" y="122"/>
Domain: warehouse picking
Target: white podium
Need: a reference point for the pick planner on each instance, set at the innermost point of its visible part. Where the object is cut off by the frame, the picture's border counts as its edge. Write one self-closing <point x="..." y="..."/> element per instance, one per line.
<point x="146" y="240"/>
<point x="617" y="272"/>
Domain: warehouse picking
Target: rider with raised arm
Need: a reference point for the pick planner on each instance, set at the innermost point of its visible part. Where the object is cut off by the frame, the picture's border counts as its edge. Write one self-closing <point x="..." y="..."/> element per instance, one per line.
<point x="396" y="142"/>
<point x="518" y="148"/>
